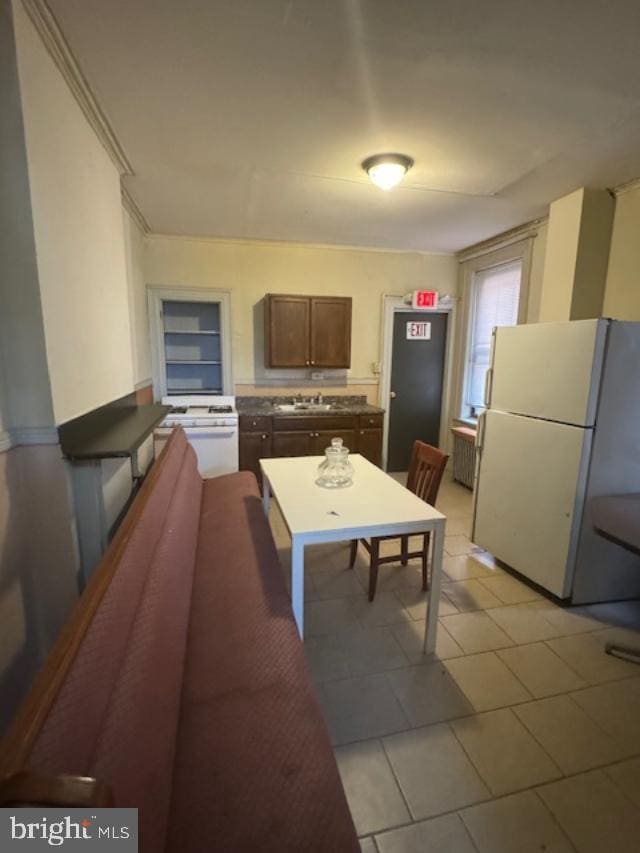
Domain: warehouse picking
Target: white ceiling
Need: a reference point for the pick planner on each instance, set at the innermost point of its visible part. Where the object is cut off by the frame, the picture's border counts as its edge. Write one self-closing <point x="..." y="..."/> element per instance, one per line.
<point x="250" y="118"/>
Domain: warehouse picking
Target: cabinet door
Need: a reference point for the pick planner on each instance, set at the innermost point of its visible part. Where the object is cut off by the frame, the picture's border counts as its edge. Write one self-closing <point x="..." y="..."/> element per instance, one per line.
<point x="370" y="445"/>
<point x="287" y="320"/>
<point x="253" y="446"/>
<point x="295" y="443"/>
<point x="323" y="438"/>
<point x="330" y="331"/>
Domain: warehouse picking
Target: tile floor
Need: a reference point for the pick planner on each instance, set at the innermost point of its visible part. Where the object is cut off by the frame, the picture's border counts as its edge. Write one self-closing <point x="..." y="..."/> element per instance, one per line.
<point x="519" y="734"/>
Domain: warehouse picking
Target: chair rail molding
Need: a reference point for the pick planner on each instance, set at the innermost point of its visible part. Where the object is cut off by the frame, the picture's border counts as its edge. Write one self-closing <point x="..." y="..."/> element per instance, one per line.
<point x="24" y="436"/>
<point x="55" y="42"/>
<point x="5" y="441"/>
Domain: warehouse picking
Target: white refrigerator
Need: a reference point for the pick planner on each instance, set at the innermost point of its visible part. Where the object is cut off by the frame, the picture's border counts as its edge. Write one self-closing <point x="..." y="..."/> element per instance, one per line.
<point x="562" y="425"/>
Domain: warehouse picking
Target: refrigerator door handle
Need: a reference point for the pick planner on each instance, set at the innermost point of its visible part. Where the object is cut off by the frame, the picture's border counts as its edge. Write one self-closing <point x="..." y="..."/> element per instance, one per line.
<point x="482" y="417"/>
<point x="488" y="386"/>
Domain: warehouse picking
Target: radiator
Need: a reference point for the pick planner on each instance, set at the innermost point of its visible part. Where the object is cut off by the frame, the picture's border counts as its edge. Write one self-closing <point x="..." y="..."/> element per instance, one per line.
<point x="464" y="455"/>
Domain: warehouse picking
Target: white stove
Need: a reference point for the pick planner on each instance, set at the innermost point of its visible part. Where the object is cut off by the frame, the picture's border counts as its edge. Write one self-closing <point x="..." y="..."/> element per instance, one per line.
<point x="211" y="425"/>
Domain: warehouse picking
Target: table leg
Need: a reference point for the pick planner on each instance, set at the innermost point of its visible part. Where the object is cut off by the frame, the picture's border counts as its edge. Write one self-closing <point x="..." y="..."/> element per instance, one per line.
<point x="266" y="493"/>
<point x="433" y="600"/>
<point x="297" y="582"/>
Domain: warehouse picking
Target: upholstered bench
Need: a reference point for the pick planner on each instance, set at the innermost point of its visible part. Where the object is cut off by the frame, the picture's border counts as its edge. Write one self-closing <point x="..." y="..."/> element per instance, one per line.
<point x="180" y="683"/>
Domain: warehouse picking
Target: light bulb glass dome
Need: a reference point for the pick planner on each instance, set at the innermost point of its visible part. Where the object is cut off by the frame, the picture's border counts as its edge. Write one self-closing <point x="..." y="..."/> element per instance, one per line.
<point x="387" y="170"/>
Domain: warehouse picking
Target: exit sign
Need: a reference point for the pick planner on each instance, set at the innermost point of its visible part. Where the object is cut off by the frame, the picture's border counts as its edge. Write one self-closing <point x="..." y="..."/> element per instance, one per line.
<point x="425" y="299"/>
<point x="418" y="331"/>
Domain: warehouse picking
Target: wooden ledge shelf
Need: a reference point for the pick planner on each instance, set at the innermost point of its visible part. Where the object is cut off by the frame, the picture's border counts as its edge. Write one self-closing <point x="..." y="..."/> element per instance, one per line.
<point x="111" y="431"/>
<point x="116" y="430"/>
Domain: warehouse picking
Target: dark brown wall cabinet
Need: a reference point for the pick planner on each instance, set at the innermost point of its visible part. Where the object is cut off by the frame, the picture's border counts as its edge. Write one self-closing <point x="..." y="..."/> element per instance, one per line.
<point x="263" y="437"/>
<point x="307" y="331"/>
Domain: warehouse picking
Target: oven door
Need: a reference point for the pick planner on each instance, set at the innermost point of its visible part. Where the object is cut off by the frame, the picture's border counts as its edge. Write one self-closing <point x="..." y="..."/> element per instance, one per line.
<point x="216" y="449"/>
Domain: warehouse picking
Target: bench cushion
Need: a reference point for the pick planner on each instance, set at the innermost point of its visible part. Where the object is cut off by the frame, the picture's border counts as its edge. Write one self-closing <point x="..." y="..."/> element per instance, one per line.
<point x="116" y="714"/>
<point x="254" y="768"/>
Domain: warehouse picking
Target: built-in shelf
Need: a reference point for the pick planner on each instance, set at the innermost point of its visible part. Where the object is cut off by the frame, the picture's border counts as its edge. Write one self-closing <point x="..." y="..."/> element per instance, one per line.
<point x="190" y="332"/>
<point x="190" y="361"/>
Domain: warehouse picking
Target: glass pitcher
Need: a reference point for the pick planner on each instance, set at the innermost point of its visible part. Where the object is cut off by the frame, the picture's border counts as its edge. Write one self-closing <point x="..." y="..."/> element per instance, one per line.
<point x="335" y="471"/>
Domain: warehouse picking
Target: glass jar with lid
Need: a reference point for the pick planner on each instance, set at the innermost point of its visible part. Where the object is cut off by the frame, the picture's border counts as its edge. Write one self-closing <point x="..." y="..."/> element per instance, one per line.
<point x="335" y="471"/>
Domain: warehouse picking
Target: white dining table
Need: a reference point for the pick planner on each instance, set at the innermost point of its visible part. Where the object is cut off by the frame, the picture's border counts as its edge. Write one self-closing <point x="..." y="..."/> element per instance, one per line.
<point x="373" y="505"/>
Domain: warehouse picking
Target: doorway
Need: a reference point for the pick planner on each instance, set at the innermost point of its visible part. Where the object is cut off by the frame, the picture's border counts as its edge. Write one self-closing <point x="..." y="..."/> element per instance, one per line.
<point x="416" y="368"/>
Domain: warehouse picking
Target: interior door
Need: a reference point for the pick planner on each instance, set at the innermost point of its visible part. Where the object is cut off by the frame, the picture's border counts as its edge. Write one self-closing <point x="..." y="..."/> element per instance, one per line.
<point x="287" y="321"/>
<point x="330" y="332"/>
<point x="548" y="370"/>
<point x="417" y="371"/>
<point x="528" y="499"/>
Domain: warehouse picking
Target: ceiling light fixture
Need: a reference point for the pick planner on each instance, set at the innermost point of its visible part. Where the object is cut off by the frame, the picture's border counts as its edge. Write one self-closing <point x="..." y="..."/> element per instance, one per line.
<point x="387" y="170"/>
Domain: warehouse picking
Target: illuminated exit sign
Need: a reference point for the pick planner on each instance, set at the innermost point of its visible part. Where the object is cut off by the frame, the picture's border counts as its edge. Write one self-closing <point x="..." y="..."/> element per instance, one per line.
<point x="425" y="299"/>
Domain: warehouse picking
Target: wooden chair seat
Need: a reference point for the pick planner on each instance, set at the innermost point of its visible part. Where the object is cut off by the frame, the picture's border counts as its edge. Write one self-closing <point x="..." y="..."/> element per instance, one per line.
<point x="425" y="475"/>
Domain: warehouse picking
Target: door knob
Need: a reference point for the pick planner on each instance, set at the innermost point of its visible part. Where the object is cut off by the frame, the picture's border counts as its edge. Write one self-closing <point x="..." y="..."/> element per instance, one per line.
<point x="392" y="394"/>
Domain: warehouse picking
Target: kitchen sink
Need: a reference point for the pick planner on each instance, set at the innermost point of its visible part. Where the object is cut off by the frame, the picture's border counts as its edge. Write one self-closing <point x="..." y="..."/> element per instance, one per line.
<point x="305" y="407"/>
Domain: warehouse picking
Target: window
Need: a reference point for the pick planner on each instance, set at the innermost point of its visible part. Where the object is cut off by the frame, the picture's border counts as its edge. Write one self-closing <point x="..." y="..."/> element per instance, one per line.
<point x="495" y="297"/>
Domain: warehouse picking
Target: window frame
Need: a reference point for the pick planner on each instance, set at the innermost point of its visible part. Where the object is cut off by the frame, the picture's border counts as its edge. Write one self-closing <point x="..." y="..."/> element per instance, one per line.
<point x="518" y="251"/>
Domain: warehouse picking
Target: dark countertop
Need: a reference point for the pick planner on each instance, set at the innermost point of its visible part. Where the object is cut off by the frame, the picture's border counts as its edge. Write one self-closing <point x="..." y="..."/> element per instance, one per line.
<point x="110" y="431"/>
<point x="265" y="407"/>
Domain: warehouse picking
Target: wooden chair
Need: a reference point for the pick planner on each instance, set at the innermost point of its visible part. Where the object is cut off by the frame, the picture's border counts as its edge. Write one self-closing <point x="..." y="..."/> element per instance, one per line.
<point x="425" y="473"/>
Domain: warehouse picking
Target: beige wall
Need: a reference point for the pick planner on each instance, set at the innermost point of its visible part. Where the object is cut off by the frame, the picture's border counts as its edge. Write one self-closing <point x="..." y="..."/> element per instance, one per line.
<point x="560" y="257"/>
<point x="26" y="395"/>
<point x="536" y="270"/>
<point x="134" y="250"/>
<point x="249" y="270"/>
<point x="577" y="253"/>
<point x="622" y="293"/>
<point x="77" y="217"/>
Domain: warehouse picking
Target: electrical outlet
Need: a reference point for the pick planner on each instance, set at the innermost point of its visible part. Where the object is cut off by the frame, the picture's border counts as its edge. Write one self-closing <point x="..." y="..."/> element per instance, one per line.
<point x="317" y="376"/>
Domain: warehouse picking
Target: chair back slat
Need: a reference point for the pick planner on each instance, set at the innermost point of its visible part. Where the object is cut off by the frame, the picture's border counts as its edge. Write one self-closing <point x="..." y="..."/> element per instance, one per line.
<point x="425" y="471"/>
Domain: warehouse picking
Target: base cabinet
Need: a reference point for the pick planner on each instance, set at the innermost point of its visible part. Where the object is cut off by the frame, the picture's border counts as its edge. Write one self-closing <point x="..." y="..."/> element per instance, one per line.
<point x="264" y="437"/>
<point x="370" y="445"/>
<point x="293" y="443"/>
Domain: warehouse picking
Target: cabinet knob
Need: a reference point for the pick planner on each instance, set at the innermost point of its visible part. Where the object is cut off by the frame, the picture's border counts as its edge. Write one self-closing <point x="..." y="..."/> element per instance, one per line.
<point x="264" y="435"/>
<point x="254" y="423"/>
<point x="361" y="432"/>
<point x="307" y="362"/>
<point x="312" y="361"/>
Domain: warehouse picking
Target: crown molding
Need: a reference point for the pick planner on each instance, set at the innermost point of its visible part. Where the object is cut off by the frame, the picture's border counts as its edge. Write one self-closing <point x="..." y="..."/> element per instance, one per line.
<point x="293" y="244"/>
<point x="132" y="208"/>
<point x="626" y="187"/>
<point x="56" y="44"/>
<point x="514" y="235"/>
